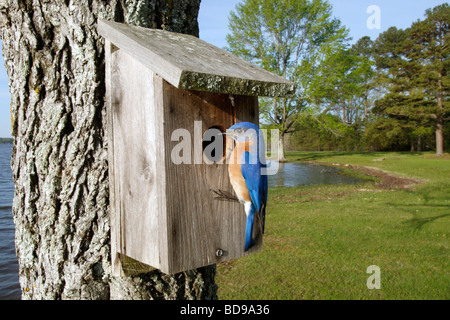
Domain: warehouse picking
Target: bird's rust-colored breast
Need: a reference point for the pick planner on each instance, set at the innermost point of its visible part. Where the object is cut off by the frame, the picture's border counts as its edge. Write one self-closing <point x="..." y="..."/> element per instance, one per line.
<point x="235" y="171"/>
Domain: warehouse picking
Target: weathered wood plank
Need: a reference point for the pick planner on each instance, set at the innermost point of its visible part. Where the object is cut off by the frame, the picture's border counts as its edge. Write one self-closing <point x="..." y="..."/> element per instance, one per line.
<point x="198" y="223"/>
<point x="187" y="62"/>
<point x="138" y="161"/>
<point x="114" y="223"/>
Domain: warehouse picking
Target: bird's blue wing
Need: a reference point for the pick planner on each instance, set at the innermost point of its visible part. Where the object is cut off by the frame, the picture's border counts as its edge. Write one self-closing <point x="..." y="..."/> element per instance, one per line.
<point x="255" y="181"/>
<point x="257" y="186"/>
<point x="264" y="191"/>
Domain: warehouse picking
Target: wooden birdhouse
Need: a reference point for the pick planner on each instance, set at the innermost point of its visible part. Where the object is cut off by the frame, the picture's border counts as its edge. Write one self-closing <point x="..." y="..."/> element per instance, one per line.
<point x="164" y="213"/>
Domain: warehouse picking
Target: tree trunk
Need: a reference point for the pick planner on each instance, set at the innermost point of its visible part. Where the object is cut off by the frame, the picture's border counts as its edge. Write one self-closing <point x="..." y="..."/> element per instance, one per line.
<point x="344" y="118"/>
<point x="366" y="104"/>
<point x="440" y="120"/>
<point x="281" y="145"/>
<point x="439" y="136"/>
<point x="55" y="63"/>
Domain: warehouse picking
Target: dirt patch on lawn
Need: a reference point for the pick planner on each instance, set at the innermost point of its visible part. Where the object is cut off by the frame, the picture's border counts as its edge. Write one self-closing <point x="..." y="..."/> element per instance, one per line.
<point x="385" y="180"/>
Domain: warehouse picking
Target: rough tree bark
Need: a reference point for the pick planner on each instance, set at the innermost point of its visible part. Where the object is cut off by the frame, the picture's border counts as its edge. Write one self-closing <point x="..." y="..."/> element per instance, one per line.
<point x="55" y="63"/>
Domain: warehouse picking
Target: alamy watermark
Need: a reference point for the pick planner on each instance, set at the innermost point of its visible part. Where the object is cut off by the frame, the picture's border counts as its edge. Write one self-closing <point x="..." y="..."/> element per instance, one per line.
<point x="374" y="281"/>
<point x="374" y="20"/>
<point x="213" y="146"/>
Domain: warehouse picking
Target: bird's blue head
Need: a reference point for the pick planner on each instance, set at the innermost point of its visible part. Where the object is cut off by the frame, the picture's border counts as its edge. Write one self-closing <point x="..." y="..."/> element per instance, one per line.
<point x="248" y="134"/>
<point x="244" y="132"/>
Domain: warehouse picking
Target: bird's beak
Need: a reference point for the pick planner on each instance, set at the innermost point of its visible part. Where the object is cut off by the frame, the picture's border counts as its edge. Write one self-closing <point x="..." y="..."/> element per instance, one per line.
<point x="229" y="133"/>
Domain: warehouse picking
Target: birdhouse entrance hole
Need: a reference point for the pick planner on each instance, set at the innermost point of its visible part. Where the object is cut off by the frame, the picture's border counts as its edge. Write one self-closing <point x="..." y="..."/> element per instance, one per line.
<point x="214" y="144"/>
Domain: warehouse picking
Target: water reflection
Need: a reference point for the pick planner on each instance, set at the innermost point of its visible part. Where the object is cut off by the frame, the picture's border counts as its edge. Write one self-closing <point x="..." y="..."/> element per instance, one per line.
<point x="305" y="174"/>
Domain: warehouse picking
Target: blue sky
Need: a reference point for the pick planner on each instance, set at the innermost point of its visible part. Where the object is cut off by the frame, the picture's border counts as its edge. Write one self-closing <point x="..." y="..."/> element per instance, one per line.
<point x="213" y="21"/>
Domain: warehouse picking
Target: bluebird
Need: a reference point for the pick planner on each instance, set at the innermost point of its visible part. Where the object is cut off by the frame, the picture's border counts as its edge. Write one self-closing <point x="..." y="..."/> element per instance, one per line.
<point x="245" y="164"/>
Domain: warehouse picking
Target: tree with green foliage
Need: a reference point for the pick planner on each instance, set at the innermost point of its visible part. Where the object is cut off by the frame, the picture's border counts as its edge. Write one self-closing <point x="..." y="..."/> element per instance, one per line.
<point x="343" y="88"/>
<point x="413" y="66"/>
<point x="290" y="38"/>
<point x="397" y="111"/>
<point x="363" y="49"/>
<point x="342" y="83"/>
<point x="324" y="132"/>
<point x="429" y="49"/>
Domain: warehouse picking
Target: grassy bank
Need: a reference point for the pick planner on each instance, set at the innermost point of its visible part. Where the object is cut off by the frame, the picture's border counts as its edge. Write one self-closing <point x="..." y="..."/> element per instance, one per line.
<point x="319" y="241"/>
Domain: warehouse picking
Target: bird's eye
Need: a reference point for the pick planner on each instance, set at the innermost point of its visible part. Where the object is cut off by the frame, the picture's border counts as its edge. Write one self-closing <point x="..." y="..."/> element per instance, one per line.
<point x="239" y="131"/>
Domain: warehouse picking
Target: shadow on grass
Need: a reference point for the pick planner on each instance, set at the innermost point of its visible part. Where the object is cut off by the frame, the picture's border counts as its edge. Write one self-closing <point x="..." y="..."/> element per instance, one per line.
<point x="417" y="223"/>
<point x="424" y="213"/>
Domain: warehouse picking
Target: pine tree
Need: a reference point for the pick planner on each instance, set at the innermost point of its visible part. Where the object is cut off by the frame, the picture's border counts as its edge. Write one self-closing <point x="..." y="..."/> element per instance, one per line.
<point x="413" y="68"/>
<point x="429" y="50"/>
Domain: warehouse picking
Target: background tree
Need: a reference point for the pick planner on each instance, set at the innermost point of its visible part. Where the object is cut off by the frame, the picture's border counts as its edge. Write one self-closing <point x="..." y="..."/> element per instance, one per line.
<point x="55" y="63"/>
<point x="400" y="98"/>
<point x="413" y="68"/>
<point x="429" y="49"/>
<point x="340" y="82"/>
<point x="322" y="132"/>
<point x="363" y="49"/>
<point x="290" y="38"/>
<point x="342" y="88"/>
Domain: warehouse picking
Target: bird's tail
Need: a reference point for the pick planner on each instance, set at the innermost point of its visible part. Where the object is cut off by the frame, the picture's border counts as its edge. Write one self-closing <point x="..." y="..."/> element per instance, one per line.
<point x="249" y="242"/>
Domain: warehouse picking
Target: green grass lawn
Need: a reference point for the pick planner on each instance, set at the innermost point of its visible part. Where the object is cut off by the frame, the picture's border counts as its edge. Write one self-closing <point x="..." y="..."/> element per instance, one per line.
<point x="319" y="241"/>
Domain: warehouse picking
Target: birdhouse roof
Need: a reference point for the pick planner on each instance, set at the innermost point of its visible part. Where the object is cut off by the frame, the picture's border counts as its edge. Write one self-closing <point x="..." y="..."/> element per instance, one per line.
<point x="189" y="63"/>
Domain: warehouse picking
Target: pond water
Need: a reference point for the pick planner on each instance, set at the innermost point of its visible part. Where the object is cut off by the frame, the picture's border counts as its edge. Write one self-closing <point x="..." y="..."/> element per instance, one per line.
<point x="9" y="268"/>
<point x="292" y="174"/>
